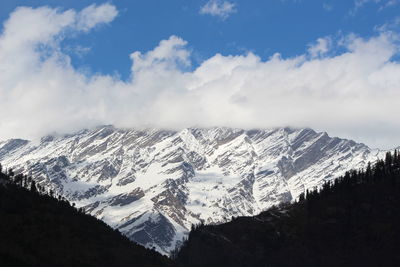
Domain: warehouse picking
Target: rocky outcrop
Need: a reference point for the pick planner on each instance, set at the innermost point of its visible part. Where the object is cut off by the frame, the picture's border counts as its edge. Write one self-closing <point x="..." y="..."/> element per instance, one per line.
<point x="153" y="184"/>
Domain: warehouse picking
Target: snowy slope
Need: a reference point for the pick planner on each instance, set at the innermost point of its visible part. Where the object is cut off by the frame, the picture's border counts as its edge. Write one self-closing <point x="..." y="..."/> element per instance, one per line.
<point x="153" y="184"/>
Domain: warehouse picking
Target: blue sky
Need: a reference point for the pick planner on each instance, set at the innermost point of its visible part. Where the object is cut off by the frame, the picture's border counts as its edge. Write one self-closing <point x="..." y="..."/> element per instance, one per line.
<point x="329" y="65"/>
<point x="263" y="27"/>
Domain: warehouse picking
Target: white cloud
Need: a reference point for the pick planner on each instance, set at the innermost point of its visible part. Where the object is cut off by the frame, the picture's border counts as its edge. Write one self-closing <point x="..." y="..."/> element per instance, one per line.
<point x="354" y="94"/>
<point x="382" y="4"/>
<point x="218" y="8"/>
<point x="360" y="3"/>
<point x="168" y="54"/>
<point x="389" y="3"/>
<point x="321" y="47"/>
<point x="78" y="50"/>
<point x="94" y="15"/>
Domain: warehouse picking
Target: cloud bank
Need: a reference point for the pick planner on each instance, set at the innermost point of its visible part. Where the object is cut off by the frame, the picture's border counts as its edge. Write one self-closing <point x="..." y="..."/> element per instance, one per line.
<point x="349" y="87"/>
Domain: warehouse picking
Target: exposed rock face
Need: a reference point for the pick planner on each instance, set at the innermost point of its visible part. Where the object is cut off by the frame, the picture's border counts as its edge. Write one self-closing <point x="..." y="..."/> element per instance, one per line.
<point x="154" y="184"/>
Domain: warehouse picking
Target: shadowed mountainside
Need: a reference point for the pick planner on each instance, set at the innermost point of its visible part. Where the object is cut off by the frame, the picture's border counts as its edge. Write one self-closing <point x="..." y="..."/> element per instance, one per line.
<point x="354" y="221"/>
<point x="40" y="230"/>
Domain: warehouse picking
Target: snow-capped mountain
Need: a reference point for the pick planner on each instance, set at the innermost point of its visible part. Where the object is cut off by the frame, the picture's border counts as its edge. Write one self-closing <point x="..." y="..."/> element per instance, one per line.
<point x="153" y="185"/>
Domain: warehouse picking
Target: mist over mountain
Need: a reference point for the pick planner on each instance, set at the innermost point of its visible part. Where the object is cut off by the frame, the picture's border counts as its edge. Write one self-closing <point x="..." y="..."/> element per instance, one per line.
<point x="344" y="84"/>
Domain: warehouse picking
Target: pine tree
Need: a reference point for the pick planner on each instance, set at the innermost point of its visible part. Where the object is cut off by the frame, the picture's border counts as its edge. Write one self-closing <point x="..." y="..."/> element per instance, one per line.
<point x="33" y="186"/>
<point x="18" y="179"/>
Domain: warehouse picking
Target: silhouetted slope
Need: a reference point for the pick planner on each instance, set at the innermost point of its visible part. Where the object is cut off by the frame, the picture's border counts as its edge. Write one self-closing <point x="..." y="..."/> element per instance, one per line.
<point x="39" y="230"/>
<point x="353" y="222"/>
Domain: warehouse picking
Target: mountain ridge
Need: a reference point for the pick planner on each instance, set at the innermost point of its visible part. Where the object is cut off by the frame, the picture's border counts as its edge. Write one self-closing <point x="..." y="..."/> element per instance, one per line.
<point x="154" y="184"/>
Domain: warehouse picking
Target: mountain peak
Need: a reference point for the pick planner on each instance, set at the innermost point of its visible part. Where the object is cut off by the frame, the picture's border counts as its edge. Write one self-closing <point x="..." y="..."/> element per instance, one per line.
<point x="130" y="178"/>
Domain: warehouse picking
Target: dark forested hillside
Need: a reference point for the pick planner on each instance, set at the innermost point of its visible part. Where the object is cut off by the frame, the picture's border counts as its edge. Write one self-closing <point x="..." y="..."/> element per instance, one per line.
<point x="41" y="230"/>
<point x="354" y="221"/>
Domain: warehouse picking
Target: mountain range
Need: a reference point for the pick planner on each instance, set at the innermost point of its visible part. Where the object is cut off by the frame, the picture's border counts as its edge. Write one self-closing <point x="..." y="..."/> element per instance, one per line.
<point x="153" y="185"/>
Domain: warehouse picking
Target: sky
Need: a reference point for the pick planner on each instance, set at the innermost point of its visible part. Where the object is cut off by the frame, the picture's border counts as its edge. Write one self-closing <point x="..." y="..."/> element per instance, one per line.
<point x="329" y="65"/>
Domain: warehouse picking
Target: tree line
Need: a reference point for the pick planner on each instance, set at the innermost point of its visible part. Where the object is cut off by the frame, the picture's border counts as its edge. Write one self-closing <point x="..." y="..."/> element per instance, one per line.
<point x="350" y="221"/>
<point x="40" y="229"/>
<point x="27" y="182"/>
